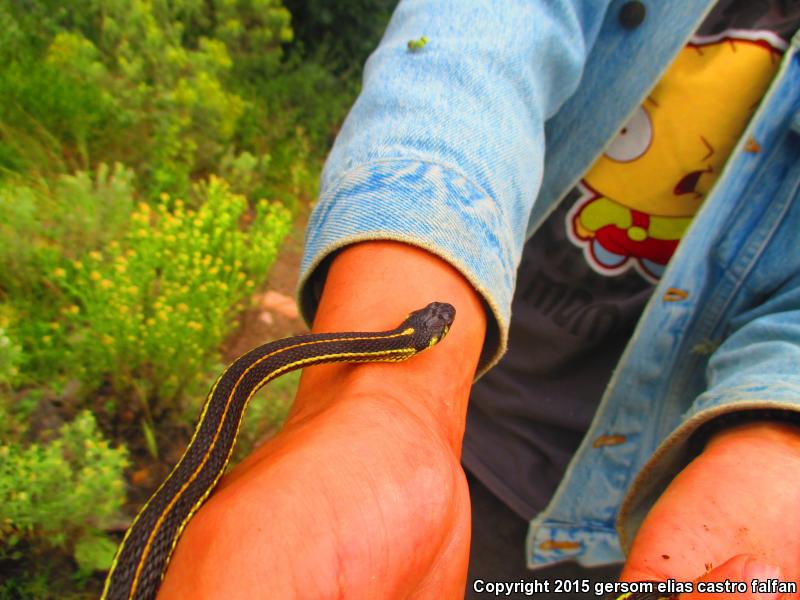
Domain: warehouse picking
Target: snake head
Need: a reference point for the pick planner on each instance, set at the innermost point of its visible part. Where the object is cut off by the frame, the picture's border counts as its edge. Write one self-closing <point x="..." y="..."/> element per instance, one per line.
<point x="430" y="324"/>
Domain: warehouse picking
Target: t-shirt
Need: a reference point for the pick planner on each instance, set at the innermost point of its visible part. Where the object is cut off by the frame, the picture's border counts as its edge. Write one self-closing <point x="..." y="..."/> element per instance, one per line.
<point x="587" y="273"/>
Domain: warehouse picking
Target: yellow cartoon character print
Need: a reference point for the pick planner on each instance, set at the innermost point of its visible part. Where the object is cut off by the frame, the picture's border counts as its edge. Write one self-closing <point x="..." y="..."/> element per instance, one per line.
<point x="641" y="195"/>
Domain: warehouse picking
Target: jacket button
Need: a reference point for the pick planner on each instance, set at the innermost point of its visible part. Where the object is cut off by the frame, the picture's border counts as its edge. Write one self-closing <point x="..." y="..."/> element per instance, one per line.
<point x="632" y="14"/>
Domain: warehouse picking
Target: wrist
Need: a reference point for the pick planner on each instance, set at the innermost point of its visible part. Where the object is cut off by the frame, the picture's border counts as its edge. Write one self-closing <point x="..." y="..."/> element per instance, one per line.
<point x="763" y="435"/>
<point x="372" y="286"/>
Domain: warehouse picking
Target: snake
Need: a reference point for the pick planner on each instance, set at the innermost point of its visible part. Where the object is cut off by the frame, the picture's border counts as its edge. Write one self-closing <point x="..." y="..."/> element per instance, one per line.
<point x="142" y="557"/>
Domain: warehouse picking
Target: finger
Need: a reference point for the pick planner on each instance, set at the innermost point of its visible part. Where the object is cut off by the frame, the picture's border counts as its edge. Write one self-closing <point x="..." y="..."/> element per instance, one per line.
<point x="743" y="577"/>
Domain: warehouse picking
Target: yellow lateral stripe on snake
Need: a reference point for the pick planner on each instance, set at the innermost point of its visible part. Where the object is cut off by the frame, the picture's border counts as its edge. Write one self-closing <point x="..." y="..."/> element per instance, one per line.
<point x="147" y="546"/>
<point x="272" y="375"/>
<point x="198" y="504"/>
<point x="221" y="421"/>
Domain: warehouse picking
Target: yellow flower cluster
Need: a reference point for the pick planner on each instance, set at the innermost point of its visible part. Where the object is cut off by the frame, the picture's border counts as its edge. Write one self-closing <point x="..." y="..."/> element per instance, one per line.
<point x="173" y="282"/>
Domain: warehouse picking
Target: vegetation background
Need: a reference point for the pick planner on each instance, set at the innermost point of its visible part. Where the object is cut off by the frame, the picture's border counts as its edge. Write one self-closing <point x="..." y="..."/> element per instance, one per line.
<point x="154" y="154"/>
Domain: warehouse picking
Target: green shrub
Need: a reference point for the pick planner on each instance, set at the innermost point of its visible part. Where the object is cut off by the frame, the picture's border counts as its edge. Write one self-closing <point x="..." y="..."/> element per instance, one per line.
<point x="171" y="89"/>
<point x="19" y="30"/>
<point x="54" y="492"/>
<point x="171" y="98"/>
<point x="147" y="83"/>
<point x="148" y="312"/>
<point x="56" y="496"/>
<point x="22" y="242"/>
<point x="45" y="222"/>
<point x="57" y="493"/>
<point x="138" y="298"/>
<point x="10" y="356"/>
<point x="50" y="117"/>
<point x="252" y="30"/>
<point x="288" y="124"/>
<point x="346" y="31"/>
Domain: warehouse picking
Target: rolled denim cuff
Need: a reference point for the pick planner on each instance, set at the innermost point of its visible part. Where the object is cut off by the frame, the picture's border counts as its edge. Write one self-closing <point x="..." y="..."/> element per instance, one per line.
<point x="428" y="205"/>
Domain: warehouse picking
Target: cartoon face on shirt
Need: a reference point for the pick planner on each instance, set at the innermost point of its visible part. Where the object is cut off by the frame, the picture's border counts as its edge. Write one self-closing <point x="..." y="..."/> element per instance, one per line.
<point x="640" y="196"/>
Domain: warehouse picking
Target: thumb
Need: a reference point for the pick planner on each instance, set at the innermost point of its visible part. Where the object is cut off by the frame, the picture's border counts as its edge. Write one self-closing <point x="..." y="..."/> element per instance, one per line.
<point x="743" y="576"/>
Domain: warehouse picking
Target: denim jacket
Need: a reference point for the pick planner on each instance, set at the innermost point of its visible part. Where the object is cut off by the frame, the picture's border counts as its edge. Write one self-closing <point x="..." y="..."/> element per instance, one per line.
<point x="464" y="145"/>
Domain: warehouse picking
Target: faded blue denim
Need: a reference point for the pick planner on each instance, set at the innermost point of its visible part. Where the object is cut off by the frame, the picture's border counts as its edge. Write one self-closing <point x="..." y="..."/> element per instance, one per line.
<point x="464" y="147"/>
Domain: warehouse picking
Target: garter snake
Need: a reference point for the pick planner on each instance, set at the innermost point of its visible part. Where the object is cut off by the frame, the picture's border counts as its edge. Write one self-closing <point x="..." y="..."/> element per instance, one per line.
<point x="143" y="555"/>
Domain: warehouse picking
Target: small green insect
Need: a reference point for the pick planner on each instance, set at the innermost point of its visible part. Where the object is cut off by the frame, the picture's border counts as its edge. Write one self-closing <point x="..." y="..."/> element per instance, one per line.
<point x="417" y="45"/>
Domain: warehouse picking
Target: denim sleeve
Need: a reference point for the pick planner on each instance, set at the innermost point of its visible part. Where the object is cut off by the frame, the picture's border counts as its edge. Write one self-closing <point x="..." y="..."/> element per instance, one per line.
<point x="444" y="147"/>
<point x="756" y="367"/>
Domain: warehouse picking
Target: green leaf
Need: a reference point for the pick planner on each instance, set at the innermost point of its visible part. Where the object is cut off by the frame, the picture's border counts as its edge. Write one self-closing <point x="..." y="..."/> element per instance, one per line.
<point x="150" y="439"/>
<point x="95" y="552"/>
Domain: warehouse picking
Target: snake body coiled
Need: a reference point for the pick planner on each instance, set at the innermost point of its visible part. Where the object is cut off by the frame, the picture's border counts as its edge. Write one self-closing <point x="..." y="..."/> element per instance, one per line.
<point x="143" y="555"/>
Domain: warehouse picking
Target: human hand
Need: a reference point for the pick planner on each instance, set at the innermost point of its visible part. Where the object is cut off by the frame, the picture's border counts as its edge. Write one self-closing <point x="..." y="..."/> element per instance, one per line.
<point x="361" y="495"/>
<point x="731" y="514"/>
<point x="356" y="502"/>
